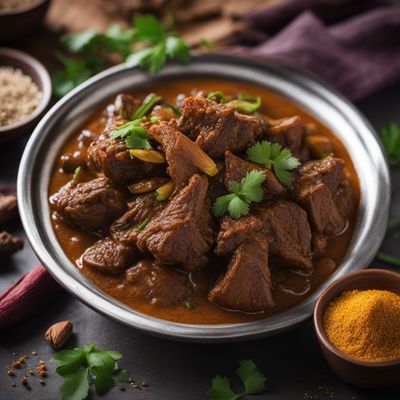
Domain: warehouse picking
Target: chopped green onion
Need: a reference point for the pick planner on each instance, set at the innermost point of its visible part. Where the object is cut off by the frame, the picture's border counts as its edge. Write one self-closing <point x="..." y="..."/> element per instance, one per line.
<point x="219" y="96"/>
<point x="146" y="107"/>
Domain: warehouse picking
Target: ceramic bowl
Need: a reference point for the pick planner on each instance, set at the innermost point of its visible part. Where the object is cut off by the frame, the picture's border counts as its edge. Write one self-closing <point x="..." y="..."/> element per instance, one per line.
<point x="21" y="21"/>
<point x="359" y="373"/>
<point x="315" y="97"/>
<point x="32" y="67"/>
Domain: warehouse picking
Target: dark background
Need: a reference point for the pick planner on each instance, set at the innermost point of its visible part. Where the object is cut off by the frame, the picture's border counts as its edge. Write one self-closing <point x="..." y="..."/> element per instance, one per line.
<point x="292" y="362"/>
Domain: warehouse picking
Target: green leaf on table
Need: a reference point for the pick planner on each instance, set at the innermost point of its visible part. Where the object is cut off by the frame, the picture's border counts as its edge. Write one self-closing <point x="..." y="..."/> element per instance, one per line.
<point x="76" y="385"/>
<point x="272" y="155"/>
<point x="390" y="137"/>
<point x="253" y="380"/>
<point x="69" y="360"/>
<point x="221" y="389"/>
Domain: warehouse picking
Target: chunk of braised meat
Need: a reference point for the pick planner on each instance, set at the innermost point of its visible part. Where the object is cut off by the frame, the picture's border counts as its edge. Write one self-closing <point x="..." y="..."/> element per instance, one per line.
<point x="217" y="182"/>
<point x="126" y="228"/>
<point x="71" y="161"/>
<point x="236" y="169"/>
<point x="322" y="211"/>
<point x="108" y="256"/>
<point x="328" y="170"/>
<point x="233" y="232"/>
<point x="181" y="153"/>
<point x="163" y="113"/>
<point x="288" y="233"/>
<point x="319" y="146"/>
<point x="91" y="205"/>
<point x="120" y="111"/>
<point x="112" y="158"/>
<point x="180" y="234"/>
<point x="156" y="284"/>
<point x="217" y="128"/>
<point x="344" y="197"/>
<point x="246" y="285"/>
<point x="288" y="132"/>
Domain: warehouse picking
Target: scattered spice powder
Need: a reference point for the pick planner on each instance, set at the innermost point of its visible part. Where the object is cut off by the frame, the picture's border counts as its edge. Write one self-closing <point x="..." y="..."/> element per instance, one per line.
<point x="19" y="95"/>
<point x="365" y="324"/>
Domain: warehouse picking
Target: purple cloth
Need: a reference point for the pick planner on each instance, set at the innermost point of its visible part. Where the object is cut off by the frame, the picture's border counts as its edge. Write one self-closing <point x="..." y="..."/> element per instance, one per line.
<point x="357" y="56"/>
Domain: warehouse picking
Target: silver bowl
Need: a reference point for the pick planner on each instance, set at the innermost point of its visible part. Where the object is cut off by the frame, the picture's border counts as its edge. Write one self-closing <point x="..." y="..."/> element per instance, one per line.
<point x="315" y="97"/>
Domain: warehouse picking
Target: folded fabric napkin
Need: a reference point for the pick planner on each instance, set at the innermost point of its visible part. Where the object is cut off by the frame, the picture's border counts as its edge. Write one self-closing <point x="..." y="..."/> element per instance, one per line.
<point x="352" y="44"/>
<point x="358" y="55"/>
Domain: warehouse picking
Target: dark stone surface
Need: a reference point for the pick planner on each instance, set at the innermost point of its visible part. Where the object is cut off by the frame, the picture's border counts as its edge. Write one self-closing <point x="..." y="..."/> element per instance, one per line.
<point x="292" y="362"/>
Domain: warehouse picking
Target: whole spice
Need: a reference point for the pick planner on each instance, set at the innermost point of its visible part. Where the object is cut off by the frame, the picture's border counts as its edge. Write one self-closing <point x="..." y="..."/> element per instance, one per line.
<point x="365" y="324"/>
<point x="9" y="244"/>
<point x="59" y="333"/>
<point x="8" y="209"/>
<point x="28" y="295"/>
<point x="19" y="96"/>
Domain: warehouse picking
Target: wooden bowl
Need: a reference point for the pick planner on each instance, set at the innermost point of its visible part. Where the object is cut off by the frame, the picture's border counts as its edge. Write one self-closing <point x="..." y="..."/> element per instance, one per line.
<point x="21" y="21"/>
<point x="29" y="66"/>
<point x="367" y="374"/>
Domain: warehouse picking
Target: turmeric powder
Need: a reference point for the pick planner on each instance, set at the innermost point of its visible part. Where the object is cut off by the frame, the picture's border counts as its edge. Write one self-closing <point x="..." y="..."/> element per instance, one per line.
<point x="365" y="324"/>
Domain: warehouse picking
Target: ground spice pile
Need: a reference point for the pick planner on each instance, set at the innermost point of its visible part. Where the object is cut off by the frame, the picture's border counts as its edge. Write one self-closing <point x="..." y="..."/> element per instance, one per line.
<point x="19" y="95"/>
<point x="365" y="324"/>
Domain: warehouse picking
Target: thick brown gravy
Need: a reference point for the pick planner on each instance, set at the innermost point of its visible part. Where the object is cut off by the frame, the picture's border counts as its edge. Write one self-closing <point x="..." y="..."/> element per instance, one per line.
<point x="289" y="287"/>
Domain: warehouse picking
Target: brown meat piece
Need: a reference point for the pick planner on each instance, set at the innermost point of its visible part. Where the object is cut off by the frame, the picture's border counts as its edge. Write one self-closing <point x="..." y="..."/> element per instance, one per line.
<point x="319" y="146"/>
<point x="216" y="127"/>
<point x="108" y="256"/>
<point x="233" y="232"/>
<point x="288" y="233"/>
<point x="329" y="170"/>
<point x="120" y="111"/>
<point x="288" y="132"/>
<point x="91" y="205"/>
<point x="246" y="286"/>
<point x="179" y="159"/>
<point x="112" y="158"/>
<point x="156" y="284"/>
<point x="144" y="207"/>
<point x="345" y="198"/>
<point x="322" y="211"/>
<point x="179" y="234"/>
<point x="236" y="169"/>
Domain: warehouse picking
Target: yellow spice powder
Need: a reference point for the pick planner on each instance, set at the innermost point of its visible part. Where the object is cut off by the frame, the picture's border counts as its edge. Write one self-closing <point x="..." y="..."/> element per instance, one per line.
<point x="365" y="324"/>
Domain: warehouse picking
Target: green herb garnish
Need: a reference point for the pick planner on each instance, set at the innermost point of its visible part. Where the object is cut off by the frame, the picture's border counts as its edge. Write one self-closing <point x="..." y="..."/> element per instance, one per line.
<point x="272" y="155"/>
<point x="76" y="176"/>
<point x="136" y="137"/>
<point x="253" y="382"/>
<point x="159" y="45"/>
<point x="246" y="191"/>
<point x="146" y="44"/>
<point x="174" y="108"/>
<point x="218" y="96"/>
<point x="143" y="224"/>
<point x="390" y="137"/>
<point x="146" y="106"/>
<point x="82" y="367"/>
<point x="207" y="44"/>
<point x="246" y="103"/>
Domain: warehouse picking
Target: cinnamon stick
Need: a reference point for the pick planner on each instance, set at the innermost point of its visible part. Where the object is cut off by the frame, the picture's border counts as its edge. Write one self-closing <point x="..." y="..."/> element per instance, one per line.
<point x="35" y="289"/>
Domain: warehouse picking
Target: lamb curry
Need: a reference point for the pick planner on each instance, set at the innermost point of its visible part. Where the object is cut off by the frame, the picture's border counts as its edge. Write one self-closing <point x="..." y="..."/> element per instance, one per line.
<point x="204" y="202"/>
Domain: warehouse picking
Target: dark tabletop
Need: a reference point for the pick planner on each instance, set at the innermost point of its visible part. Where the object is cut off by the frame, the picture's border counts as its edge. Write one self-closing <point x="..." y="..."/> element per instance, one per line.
<point x="292" y="362"/>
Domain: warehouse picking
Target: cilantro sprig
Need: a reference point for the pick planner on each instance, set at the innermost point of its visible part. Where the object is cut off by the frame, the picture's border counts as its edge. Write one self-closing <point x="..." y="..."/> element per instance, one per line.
<point x="390" y="137"/>
<point x="86" y="366"/>
<point x="272" y="155"/>
<point x="252" y="379"/>
<point x="246" y="191"/>
<point x="146" y="44"/>
<point x="136" y="137"/>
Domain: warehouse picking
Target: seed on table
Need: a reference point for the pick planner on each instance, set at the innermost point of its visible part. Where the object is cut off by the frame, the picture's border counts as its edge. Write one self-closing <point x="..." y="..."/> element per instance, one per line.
<point x="10" y="372"/>
<point x="42" y="382"/>
<point x="34" y="353"/>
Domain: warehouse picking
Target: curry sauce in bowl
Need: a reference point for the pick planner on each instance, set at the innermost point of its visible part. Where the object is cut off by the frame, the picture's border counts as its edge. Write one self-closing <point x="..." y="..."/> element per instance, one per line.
<point x="173" y="258"/>
<point x="211" y="202"/>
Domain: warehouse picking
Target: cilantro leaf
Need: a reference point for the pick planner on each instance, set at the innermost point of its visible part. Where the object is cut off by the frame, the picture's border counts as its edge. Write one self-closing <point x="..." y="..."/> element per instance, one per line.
<point x="221" y="389"/>
<point x="243" y="193"/>
<point x="136" y="137"/>
<point x="253" y="380"/>
<point x="103" y="379"/>
<point x="207" y="44"/>
<point x="146" y="106"/>
<point x="177" y="49"/>
<point x="76" y="385"/>
<point x="69" y="360"/>
<point x="390" y="137"/>
<point x="121" y="375"/>
<point x="272" y="155"/>
<point x="76" y="42"/>
<point x="148" y="28"/>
